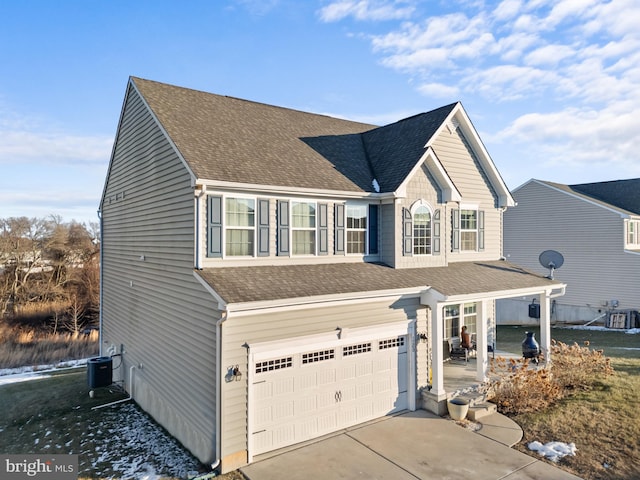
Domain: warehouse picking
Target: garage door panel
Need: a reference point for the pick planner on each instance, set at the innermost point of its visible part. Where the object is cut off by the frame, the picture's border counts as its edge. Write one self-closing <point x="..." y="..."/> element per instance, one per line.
<point x="283" y="386"/>
<point x="327" y="376"/>
<point x="326" y="389"/>
<point x="306" y="404"/>
<point x="307" y="380"/>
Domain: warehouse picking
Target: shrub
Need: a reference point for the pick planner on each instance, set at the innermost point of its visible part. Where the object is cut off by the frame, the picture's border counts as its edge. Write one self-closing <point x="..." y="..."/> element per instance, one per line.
<point x="517" y="386"/>
<point x="578" y="368"/>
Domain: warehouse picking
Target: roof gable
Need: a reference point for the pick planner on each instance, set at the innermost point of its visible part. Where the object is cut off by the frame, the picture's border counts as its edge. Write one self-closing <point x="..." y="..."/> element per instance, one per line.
<point x="395" y="149"/>
<point x="229" y="141"/>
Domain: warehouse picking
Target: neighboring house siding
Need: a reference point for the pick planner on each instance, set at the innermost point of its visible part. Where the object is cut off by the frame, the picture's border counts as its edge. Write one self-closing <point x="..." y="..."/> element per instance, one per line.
<point x="590" y="237"/>
<point x="239" y="332"/>
<point x="152" y="305"/>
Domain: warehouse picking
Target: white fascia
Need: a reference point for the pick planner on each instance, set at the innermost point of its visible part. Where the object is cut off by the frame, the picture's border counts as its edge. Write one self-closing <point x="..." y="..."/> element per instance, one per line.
<point x="287" y="191"/>
<point x="222" y="304"/>
<point x="288" y="304"/>
<point x="459" y="116"/>
<point x="432" y="296"/>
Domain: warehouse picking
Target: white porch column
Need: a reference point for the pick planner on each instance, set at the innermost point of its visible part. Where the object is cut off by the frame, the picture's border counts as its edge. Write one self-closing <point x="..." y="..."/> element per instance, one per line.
<point x="482" y="325"/>
<point x="437" y="366"/>
<point x="545" y="326"/>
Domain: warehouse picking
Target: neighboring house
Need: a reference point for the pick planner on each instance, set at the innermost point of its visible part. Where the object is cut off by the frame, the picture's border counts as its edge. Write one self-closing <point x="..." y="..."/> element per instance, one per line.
<point x="596" y="227"/>
<point x="270" y="275"/>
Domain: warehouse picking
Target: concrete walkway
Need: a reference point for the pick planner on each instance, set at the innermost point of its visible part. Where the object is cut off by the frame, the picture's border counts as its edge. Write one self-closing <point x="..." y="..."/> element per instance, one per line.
<point x="413" y="445"/>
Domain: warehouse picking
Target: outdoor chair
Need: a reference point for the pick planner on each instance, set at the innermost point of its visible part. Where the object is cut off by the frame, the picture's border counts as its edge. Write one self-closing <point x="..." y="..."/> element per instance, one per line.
<point x="458" y="352"/>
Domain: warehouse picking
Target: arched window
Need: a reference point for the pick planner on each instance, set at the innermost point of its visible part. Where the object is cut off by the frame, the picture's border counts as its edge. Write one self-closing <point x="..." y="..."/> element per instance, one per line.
<point x="422" y="231"/>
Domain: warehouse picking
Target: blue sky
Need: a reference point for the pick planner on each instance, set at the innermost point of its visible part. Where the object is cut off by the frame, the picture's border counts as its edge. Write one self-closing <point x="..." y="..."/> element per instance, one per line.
<point x="553" y="87"/>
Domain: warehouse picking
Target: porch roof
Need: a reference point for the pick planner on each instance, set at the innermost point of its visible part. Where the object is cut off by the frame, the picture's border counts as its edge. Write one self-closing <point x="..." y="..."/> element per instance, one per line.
<point x="279" y="282"/>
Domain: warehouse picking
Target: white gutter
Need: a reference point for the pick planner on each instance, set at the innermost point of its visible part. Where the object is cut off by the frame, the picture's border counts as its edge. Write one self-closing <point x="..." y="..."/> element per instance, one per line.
<point x="219" y="323"/>
<point x="100" y="290"/>
<point x="288" y="191"/>
<point x="200" y="191"/>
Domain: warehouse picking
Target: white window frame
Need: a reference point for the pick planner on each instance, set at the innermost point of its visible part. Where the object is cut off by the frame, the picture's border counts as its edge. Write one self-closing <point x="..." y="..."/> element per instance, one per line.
<point x="364" y="206"/>
<point x="632" y="234"/>
<point x="313" y="229"/>
<point x="226" y="227"/>
<point x="475" y="231"/>
<point x="414" y="208"/>
<point x="464" y="318"/>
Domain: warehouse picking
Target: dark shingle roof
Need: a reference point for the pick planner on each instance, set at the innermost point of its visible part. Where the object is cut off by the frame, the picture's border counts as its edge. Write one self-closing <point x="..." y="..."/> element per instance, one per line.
<point x="264" y="283"/>
<point x="233" y="140"/>
<point x="620" y="194"/>
<point x="624" y="194"/>
<point x="228" y="139"/>
<point x="394" y="149"/>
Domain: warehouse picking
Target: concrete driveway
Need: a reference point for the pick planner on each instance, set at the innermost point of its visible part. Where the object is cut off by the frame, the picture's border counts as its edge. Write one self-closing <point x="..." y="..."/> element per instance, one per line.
<point x="414" y="445"/>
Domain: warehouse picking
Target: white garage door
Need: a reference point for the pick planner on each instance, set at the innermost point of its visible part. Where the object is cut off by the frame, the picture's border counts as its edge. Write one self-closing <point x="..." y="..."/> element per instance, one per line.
<point x="305" y="394"/>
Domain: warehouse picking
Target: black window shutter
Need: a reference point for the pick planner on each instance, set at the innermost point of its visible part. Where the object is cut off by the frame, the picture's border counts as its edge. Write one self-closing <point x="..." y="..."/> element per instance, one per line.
<point x="373" y="229"/>
<point x="481" y="230"/>
<point x="263" y="227"/>
<point x="214" y="226"/>
<point x="339" y="240"/>
<point x="283" y="227"/>
<point x="323" y="229"/>
<point x="407" y="233"/>
<point x="455" y="230"/>
<point x="436" y="232"/>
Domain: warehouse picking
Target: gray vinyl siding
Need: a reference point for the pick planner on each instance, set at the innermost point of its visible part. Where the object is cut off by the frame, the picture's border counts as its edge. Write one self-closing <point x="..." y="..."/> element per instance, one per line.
<point x="590" y="237"/>
<point x="152" y="304"/>
<point x="241" y="331"/>
<point x="463" y="167"/>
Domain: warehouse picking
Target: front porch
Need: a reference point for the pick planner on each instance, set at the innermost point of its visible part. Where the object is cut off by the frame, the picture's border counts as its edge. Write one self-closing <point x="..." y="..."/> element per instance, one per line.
<point x="460" y="380"/>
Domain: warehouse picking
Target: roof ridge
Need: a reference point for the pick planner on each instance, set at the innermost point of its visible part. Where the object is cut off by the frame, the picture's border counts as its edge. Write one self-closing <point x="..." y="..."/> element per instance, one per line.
<point x="254" y="102"/>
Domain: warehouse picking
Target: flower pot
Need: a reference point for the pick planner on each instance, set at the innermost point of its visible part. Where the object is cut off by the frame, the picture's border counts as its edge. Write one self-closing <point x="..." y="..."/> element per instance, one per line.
<point x="458" y="408"/>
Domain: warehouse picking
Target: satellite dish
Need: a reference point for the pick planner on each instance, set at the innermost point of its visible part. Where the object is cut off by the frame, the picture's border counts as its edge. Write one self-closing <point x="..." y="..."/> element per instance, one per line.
<point x="552" y="260"/>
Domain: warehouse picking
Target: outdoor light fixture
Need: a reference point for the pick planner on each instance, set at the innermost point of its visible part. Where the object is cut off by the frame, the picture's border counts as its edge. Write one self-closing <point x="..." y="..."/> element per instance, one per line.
<point x="233" y="374"/>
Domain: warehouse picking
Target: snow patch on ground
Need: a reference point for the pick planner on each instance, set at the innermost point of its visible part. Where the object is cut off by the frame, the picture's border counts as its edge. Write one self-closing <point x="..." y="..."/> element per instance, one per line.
<point x="630" y="331"/>
<point x="132" y="446"/>
<point x="22" y="374"/>
<point x="554" y="451"/>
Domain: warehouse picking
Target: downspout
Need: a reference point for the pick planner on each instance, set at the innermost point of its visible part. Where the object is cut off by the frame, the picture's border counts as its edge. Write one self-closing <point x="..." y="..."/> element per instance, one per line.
<point x="200" y="191"/>
<point x="101" y="287"/>
<point x="219" y="323"/>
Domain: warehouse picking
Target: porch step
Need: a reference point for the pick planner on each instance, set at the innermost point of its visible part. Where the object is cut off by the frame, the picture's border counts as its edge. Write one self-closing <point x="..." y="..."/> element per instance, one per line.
<point x="481" y="410"/>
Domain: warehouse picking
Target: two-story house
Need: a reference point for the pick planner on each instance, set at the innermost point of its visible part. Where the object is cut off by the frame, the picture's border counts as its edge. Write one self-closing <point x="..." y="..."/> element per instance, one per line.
<point x="270" y="275"/>
<point x="596" y="227"/>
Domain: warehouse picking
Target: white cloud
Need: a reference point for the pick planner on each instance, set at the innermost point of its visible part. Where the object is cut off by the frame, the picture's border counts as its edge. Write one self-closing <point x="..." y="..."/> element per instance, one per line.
<point x="549" y="55"/>
<point x="439" y="90"/>
<point x="566" y="73"/>
<point x="366" y="10"/>
<point x="49" y="147"/>
<point x="580" y="137"/>
<point x="507" y="10"/>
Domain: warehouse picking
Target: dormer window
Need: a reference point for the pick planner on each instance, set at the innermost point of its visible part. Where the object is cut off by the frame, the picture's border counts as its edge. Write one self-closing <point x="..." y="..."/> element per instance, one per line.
<point x="422" y="231"/>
